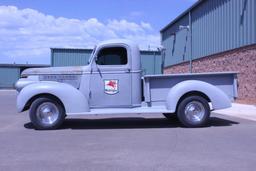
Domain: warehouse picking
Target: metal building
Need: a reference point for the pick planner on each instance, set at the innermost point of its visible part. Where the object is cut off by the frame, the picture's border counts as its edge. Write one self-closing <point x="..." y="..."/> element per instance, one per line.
<point x="150" y="60"/>
<point x="10" y="73"/>
<point x="214" y="26"/>
<point x="215" y="36"/>
<point x="69" y="57"/>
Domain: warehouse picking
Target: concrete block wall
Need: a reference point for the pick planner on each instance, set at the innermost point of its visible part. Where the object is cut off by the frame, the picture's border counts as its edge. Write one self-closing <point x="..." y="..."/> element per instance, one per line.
<point x="241" y="60"/>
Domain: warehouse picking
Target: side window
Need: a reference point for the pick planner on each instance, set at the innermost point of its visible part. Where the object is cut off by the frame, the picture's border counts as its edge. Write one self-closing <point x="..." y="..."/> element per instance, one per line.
<point x="112" y="56"/>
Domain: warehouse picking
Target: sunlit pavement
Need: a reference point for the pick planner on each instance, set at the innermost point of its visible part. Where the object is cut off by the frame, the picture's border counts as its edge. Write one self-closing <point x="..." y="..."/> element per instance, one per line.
<point x="240" y="110"/>
<point x="124" y="142"/>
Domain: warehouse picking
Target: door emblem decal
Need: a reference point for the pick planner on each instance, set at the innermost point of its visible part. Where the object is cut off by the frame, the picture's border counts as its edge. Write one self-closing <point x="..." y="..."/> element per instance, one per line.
<point x="111" y="86"/>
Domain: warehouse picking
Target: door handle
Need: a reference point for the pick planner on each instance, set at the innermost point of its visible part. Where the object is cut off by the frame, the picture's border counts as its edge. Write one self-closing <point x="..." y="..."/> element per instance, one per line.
<point x="128" y="71"/>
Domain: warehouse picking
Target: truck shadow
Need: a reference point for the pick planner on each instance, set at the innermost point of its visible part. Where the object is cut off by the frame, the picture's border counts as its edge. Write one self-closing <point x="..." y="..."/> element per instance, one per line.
<point x="131" y="123"/>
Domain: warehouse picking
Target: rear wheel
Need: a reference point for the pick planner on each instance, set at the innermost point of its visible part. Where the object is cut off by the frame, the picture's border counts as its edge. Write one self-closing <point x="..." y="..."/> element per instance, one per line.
<point x="193" y="111"/>
<point x="46" y="113"/>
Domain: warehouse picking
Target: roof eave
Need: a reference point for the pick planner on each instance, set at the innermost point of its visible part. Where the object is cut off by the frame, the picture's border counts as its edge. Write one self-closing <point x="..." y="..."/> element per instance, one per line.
<point x="24" y="65"/>
<point x="181" y="15"/>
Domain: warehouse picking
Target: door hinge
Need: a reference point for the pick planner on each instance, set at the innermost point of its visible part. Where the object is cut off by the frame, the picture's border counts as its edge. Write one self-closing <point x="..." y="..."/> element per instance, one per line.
<point x="90" y="94"/>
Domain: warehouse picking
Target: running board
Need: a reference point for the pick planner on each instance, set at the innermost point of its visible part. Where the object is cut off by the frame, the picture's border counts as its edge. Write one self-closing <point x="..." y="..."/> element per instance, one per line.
<point x="136" y="110"/>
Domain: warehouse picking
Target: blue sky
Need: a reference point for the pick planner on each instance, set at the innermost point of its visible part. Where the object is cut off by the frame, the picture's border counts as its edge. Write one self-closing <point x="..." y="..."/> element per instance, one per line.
<point x="29" y="28"/>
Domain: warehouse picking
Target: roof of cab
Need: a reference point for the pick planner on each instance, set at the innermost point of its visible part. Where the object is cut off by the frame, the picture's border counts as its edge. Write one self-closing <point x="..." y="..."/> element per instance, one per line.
<point x="119" y="41"/>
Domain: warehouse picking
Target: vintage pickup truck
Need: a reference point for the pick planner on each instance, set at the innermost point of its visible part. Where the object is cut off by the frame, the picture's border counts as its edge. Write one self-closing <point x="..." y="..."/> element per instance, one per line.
<point x="112" y="83"/>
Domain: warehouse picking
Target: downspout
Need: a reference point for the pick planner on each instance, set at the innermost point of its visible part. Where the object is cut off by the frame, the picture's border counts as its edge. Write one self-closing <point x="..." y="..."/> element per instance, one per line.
<point x="163" y="60"/>
<point x="154" y="62"/>
<point x="190" y="31"/>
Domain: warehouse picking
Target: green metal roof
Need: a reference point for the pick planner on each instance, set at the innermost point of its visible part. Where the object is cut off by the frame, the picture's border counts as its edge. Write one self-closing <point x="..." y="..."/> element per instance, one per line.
<point x="24" y="65"/>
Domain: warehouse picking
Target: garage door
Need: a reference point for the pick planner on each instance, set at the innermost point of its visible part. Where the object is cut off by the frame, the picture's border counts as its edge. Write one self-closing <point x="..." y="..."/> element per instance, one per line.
<point x="8" y="76"/>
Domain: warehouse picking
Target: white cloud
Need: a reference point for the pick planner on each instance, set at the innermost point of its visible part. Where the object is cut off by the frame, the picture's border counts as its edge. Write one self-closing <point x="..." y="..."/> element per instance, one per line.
<point x="146" y="26"/>
<point x="27" y="35"/>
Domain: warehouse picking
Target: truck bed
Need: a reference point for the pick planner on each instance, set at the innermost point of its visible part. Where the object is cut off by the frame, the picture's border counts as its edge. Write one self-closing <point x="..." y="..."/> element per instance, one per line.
<point x="156" y="87"/>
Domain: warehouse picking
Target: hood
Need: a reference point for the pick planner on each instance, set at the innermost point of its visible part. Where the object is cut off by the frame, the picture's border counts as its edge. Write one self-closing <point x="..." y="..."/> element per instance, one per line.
<point x="54" y="71"/>
<point x="68" y="75"/>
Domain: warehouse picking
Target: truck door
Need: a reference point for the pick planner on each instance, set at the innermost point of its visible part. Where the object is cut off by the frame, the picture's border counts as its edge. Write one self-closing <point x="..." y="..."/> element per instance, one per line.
<point x="110" y="82"/>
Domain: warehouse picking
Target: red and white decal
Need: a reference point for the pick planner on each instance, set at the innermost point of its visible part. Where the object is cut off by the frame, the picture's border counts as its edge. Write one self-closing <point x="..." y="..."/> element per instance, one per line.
<point x="111" y="86"/>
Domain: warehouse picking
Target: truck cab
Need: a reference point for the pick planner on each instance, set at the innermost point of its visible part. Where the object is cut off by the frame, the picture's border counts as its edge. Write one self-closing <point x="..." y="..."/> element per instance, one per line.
<point x="115" y="77"/>
<point x="112" y="83"/>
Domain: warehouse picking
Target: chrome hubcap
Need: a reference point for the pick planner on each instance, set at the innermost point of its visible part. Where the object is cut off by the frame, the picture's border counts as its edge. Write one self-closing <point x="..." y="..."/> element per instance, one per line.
<point x="47" y="113"/>
<point x="195" y="111"/>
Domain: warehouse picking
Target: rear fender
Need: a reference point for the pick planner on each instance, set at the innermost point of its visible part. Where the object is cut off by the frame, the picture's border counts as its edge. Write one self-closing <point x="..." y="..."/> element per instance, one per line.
<point x="73" y="100"/>
<point x="217" y="97"/>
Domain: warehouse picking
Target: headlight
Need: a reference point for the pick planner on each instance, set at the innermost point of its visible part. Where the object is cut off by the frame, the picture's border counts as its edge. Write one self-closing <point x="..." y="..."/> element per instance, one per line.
<point x="24" y="81"/>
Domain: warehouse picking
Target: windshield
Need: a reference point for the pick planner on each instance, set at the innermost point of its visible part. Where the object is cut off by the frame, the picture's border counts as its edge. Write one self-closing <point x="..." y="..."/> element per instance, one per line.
<point x="92" y="54"/>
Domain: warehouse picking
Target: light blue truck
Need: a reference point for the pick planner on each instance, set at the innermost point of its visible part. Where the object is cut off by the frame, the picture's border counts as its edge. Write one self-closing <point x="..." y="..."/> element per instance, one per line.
<point x="112" y="83"/>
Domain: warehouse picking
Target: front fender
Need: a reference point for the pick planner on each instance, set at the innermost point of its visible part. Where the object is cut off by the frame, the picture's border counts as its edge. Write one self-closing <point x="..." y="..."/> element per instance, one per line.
<point x="73" y="100"/>
<point x="218" y="98"/>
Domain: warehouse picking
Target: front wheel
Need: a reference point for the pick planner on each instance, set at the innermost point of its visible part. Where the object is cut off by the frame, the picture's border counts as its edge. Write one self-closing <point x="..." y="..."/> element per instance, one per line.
<point x="193" y="111"/>
<point x="46" y="113"/>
